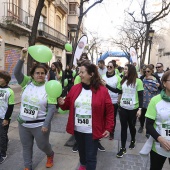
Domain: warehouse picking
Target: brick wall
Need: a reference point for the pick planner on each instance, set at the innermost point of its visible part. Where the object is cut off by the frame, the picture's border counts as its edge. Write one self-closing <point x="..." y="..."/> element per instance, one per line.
<point x="12" y="55"/>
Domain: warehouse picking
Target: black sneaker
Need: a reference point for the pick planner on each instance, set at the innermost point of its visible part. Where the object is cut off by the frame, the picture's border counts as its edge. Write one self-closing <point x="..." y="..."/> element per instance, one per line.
<point x="75" y="148"/>
<point x="132" y="145"/>
<point x="140" y="130"/>
<point x="147" y="136"/>
<point x="100" y="147"/>
<point x="121" y="152"/>
<point x="2" y="159"/>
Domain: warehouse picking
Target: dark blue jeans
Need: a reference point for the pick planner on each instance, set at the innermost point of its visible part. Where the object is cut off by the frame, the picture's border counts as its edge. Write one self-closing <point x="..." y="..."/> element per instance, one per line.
<point x="87" y="148"/>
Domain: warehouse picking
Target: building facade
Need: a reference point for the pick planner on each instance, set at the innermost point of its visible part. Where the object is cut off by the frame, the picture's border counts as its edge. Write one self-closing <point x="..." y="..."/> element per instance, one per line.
<point x="16" y="20"/>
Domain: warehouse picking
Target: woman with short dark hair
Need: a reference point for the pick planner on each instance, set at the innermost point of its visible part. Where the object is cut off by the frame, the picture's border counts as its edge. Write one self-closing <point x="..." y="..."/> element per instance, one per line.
<point x="36" y="112"/>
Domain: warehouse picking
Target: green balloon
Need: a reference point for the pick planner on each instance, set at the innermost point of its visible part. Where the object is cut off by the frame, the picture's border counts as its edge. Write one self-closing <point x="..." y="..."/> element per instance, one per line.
<point x="74" y="73"/>
<point x="53" y="88"/>
<point x="68" y="47"/>
<point x="65" y="82"/>
<point x="77" y="80"/>
<point x="62" y="111"/>
<point x="40" y="53"/>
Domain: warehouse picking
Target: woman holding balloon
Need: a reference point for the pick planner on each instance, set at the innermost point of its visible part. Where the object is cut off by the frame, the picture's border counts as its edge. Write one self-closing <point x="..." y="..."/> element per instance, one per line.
<point x="90" y="119"/>
<point x="36" y="112"/>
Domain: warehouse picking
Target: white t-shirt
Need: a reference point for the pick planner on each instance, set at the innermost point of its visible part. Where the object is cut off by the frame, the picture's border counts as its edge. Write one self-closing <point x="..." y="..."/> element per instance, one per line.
<point x="83" y="112"/>
<point x="114" y="82"/>
<point x="33" y="105"/>
<point x="129" y="99"/>
<point x="102" y="71"/>
<point x="160" y="75"/>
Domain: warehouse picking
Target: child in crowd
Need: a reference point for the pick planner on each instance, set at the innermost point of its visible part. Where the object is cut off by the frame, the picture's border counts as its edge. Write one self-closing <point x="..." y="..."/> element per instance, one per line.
<point x="6" y="109"/>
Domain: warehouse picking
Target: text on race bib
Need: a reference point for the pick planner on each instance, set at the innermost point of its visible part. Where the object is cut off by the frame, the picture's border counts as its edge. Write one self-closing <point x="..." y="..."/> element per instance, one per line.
<point x="127" y="101"/>
<point x="29" y="111"/>
<point x="2" y="94"/>
<point x="83" y="120"/>
<point x="165" y="131"/>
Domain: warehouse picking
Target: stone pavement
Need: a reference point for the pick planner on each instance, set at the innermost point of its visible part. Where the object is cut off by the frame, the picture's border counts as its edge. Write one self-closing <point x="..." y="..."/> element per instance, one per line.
<point x="64" y="158"/>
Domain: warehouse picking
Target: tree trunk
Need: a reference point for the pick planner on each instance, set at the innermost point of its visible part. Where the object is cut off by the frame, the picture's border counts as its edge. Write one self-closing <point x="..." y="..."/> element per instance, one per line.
<point x="145" y="44"/>
<point x="32" y="37"/>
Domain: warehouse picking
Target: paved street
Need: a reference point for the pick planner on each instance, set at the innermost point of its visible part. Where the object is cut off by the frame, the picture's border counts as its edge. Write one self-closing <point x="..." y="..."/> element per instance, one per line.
<point x="64" y="158"/>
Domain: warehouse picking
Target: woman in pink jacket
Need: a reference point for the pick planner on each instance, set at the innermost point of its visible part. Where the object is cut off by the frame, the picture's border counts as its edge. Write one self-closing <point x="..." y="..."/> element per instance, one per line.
<point x="91" y="114"/>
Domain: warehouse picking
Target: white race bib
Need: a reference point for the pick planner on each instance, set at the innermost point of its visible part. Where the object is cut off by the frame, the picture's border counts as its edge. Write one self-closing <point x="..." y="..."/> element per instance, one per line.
<point x="29" y="111"/>
<point x="127" y="101"/>
<point x="165" y="131"/>
<point x="2" y="95"/>
<point x="83" y="120"/>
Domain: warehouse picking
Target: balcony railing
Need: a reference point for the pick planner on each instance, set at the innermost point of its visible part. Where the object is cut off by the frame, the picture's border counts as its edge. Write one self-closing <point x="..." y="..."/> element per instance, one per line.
<point x="13" y="13"/>
<point x="51" y="33"/>
<point x="63" y="5"/>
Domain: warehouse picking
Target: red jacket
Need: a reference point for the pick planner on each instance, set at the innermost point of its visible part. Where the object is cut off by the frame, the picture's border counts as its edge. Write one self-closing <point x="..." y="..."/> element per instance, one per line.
<point x="102" y="110"/>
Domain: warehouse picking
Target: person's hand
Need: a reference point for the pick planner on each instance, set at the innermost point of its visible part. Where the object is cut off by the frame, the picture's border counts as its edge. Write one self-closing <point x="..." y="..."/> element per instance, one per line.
<point x="164" y="143"/>
<point x="44" y="129"/>
<point x="104" y="82"/>
<point x="149" y="78"/>
<point x="23" y="53"/>
<point x="157" y="84"/>
<point x="138" y="114"/>
<point x="106" y="134"/>
<point x="5" y="122"/>
<point x="61" y="101"/>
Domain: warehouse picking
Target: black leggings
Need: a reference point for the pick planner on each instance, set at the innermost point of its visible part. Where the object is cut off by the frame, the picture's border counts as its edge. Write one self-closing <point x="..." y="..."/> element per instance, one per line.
<point x="157" y="161"/>
<point x="127" y="118"/>
<point x="142" y="117"/>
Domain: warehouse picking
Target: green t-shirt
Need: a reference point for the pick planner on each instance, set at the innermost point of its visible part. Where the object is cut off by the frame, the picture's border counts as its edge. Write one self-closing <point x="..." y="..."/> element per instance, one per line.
<point x="159" y="111"/>
<point x="117" y="71"/>
<point x="129" y="99"/>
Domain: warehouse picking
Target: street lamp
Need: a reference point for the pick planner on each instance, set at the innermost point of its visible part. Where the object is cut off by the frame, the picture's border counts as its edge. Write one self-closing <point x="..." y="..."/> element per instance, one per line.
<point x="72" y="40"/>
<point x="72" y="34"/>
<point x="151" y="34"/>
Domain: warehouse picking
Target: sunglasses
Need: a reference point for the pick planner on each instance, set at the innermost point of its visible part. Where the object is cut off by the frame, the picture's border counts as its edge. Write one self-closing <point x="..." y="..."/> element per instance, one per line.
<point x="148" y="71"/>
<point x="159" y="67"/>
<point x="109" y="67"/>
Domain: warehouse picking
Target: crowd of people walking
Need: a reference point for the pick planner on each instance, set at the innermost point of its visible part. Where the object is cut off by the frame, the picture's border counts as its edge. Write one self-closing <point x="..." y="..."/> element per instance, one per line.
<point x="93" y="103"/>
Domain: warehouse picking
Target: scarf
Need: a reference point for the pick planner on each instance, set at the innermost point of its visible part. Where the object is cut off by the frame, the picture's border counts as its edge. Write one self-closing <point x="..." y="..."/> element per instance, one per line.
<point x="37" y="83"/>
<point x="164" y="96"/>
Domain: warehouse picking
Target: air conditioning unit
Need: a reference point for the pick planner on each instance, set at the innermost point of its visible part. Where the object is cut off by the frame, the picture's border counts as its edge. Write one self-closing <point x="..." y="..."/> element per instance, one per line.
<point x="29" y="20"/>
<point x="40" y="33"/>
